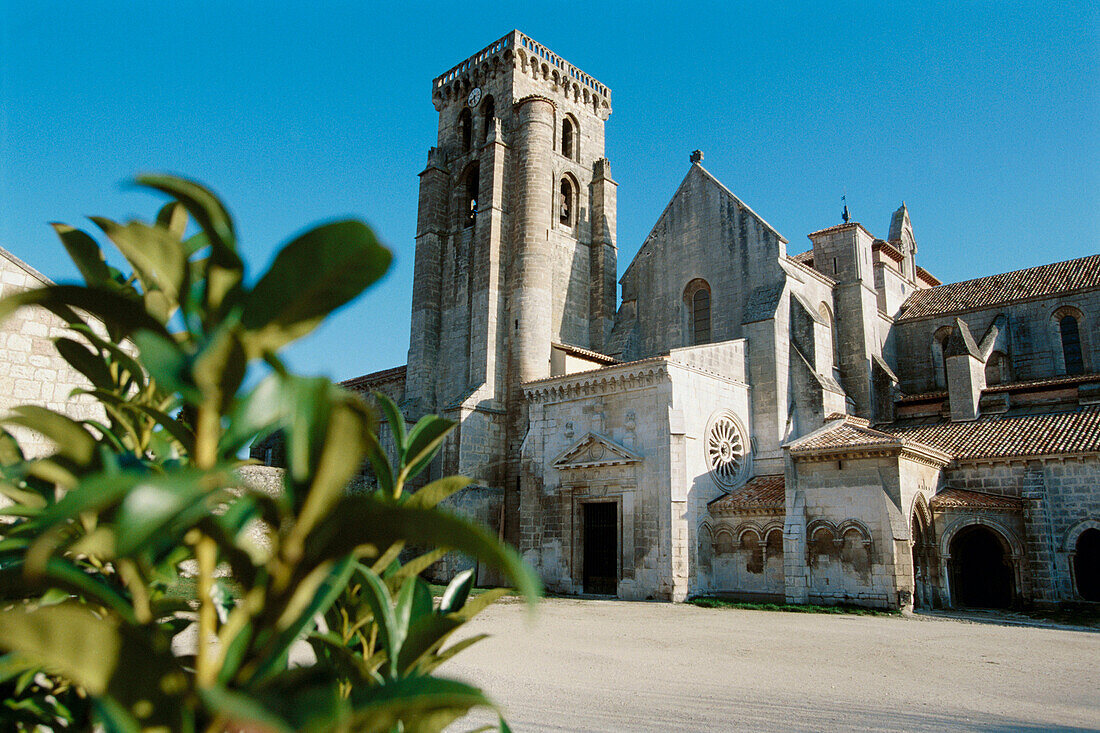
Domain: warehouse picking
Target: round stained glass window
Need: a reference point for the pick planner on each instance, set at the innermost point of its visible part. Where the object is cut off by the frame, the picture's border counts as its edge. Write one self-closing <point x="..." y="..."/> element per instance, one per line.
<point x="725" y="446"/>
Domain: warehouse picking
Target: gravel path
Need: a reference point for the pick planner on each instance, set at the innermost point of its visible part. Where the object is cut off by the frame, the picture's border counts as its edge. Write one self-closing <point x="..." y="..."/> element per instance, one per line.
<point x="585" y="665"/>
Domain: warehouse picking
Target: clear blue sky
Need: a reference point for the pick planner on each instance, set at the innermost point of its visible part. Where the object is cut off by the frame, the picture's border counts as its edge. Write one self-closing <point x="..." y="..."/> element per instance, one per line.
<point x="984" y="117"/>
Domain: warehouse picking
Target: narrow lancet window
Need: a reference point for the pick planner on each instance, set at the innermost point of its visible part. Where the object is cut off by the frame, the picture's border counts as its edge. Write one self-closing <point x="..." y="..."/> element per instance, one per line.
<point x="697" y="302"/>
<point x="1071" y="345"/>
<point x="567" y="135"/>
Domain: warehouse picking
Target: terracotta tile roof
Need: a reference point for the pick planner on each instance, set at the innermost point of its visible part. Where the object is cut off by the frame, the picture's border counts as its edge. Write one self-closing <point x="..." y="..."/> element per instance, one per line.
<point x="1042" y="383"/>
<point x="845" y="432"/>
<point x="367" y="381"/>
<point x="839" y="227"/>
<point x="983" y="292"/>
<point x="762" y="492"/>
<point x="881" y="245"/>
<point x="1003" y="436"/>
<point x="804" y="258"/>
<point x="928" y="277"/>
<point x="963" y="499"/>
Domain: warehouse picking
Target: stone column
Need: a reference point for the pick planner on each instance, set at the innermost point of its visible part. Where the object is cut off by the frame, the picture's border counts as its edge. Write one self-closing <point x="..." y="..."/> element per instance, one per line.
<point x="530" y="283"/>
<point x="533" y="277"/>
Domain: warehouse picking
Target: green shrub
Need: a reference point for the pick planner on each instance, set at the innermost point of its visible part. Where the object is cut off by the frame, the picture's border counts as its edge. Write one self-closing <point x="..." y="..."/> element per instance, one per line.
<point x="90" y="561"/>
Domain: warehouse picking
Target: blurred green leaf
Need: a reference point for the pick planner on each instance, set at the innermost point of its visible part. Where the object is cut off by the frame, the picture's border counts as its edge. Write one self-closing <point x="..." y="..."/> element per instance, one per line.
<point x="242" y="712"/>
<point x="424" y="441"/>
<point x="317" y="602"/>
<point x="86" y="255"/>
<point x="394" y="419"/>
<point x="377" y="709"/>
<point x="342" y="451"/>
<point x="311" y="276"/>
<point x="458" y="590"/>
<point x="121" y="314"/>
<point x="73" y="441"/>
<point x="173" y="217"/>
<point x="437" y="491"/>
<point x="367" y="520"/>
<point x="84" y="361"/>
<point x="200" y="202"/>
<point x="218" y="370"/>
<point x="157" y="256"/>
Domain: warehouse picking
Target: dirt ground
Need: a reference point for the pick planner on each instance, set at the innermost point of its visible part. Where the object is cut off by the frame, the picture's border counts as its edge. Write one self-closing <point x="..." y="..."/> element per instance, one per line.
<point x="583" y="665"/>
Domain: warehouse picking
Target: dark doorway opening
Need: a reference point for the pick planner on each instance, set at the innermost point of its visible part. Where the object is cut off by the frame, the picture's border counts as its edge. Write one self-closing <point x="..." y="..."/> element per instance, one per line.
<point x="601" y="548"/>
<point x="981" y="576"/>
<point x="922" y="564"/>
<point x="1086" y="565"/>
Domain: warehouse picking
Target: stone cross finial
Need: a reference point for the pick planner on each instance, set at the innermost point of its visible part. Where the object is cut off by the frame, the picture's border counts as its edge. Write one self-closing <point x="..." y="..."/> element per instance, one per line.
<point x="697" y="156"/>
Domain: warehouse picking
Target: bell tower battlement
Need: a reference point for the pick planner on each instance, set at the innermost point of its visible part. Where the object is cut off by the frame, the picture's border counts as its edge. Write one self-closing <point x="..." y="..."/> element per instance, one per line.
<point x="542" y="66"/>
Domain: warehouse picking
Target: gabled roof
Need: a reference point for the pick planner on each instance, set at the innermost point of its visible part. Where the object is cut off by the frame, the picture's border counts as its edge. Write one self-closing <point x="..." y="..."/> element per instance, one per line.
<point x="848" y="434"/>
<point x="984" y="292"/>
<point x="843" y="431"/>
<point x="697" y="170"/>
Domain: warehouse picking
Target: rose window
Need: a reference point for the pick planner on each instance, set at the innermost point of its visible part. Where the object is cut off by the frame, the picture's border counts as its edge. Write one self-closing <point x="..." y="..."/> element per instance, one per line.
<point x="725" y="449"/>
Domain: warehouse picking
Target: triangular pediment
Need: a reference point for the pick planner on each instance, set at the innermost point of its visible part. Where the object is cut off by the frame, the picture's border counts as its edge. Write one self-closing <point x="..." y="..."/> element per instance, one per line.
<point x="594" y="450"/>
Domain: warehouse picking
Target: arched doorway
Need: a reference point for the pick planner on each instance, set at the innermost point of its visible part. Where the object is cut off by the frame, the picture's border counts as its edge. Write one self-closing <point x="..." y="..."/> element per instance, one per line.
<point x="1086" y="564"/>
<point x="981" y="575"/>
<point x="922" y="565"/>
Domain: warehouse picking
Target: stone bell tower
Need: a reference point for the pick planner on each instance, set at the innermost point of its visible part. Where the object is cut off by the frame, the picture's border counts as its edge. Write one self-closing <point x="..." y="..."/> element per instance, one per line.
<point x="515" y="250"/>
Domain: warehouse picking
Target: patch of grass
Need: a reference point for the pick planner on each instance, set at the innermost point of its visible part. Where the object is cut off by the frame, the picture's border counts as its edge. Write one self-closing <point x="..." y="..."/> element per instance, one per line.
<point x="711" y="602"/>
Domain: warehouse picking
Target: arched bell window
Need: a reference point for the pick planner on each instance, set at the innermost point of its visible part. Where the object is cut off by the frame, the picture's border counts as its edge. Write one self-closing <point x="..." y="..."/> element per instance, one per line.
<point x="568" y="137"/>
<point x="567" y="202"/>
<point x="471" y="190"/>
<point x="697" y="305"/>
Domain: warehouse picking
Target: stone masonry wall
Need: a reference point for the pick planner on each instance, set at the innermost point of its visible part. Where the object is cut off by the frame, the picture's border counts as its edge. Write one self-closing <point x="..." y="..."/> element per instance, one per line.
<point x="31" y="371"/>
<point x="1061" y="498"/>
<point x="1033" y="341"/>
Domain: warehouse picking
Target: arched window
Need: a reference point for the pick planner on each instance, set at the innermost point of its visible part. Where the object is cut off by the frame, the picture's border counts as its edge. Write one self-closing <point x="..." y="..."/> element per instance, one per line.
<point x="469" y="199"/>
<point x="489" y="111"/>
<point x="1071" y="345"/>
<point x="567" y="202"/>
<point x="465" y="129"/>
<point x="996" y="369"/>
<point x="568" y="135"/>
<point x="939" y="360"/>
<point x="697" y="302"/>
